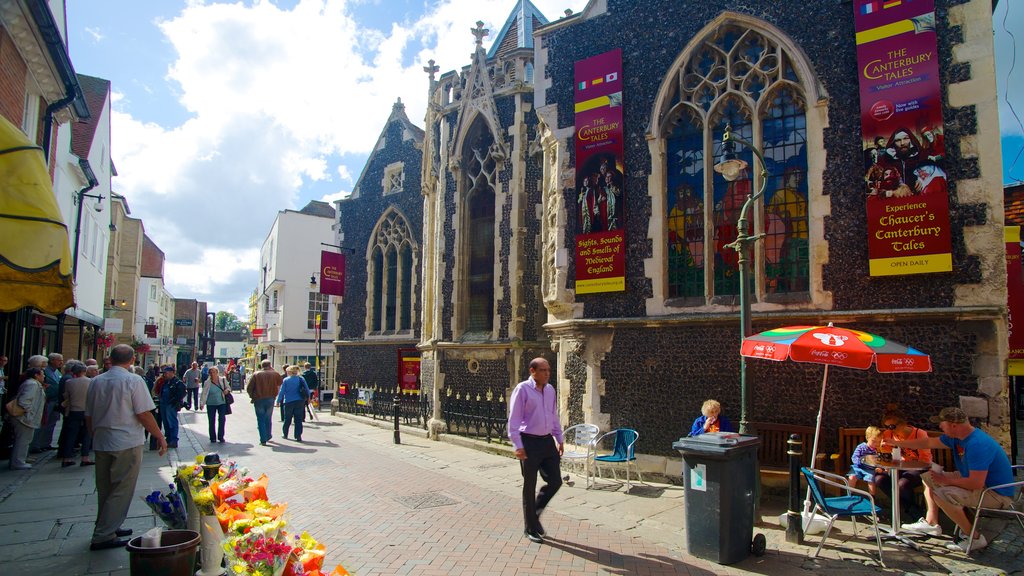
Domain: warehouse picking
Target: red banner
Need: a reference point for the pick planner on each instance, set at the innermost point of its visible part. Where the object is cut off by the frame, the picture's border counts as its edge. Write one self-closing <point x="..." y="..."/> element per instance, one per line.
<point x="259" y="332"/>
<point x="332" y="273"/>
<point x="904" y="149"/>
<point x="600" y="238"/>
<point x="1015" y="298"/>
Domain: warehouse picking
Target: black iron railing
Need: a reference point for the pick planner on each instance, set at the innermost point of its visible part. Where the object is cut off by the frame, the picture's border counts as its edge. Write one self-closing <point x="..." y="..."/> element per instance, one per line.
<point x="479" y="415"/>
<point x="379" y="404"/>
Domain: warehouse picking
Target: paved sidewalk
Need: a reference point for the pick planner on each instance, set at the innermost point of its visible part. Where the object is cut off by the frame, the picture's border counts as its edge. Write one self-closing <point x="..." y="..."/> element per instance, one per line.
<point x="427" y="507"/>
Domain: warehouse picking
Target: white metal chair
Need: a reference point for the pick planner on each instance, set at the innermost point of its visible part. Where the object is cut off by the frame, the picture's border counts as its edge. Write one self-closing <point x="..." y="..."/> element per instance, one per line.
<point x="622" y="453"/>
<point x="580" y="448"/>
<point x="1015" y="510"/>
<point x="852" y="504"/>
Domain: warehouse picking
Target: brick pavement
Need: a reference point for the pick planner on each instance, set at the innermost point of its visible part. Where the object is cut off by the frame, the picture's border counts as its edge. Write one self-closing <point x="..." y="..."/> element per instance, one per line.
<point x="429" y="508"/>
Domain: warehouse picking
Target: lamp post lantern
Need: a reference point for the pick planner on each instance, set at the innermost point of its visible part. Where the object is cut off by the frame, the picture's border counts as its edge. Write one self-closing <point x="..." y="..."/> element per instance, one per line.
<point x="731" y="167"/>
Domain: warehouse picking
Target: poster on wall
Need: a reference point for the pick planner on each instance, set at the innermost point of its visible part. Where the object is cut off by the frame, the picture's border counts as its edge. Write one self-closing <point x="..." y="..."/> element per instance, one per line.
<point x="600" y="237"/>
<point x="409" y="370"/>
<point x="903" y="144"/>
<point x="1015" y="299"/>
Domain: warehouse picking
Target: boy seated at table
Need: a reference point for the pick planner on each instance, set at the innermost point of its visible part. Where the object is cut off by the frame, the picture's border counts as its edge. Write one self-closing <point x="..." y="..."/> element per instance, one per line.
<point x="861" y="469"/>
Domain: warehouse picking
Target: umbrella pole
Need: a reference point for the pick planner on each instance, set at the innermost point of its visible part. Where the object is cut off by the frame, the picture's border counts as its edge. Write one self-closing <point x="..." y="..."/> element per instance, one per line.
<point x="814" y="451"/>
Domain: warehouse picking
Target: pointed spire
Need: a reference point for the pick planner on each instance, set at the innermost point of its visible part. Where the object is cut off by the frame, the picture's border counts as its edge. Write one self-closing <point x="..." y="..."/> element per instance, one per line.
<point x="398" y="106"/>
<point x="431" y="68"/>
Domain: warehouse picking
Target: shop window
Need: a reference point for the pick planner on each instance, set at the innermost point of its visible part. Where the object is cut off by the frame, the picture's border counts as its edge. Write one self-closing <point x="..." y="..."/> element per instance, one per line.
<point x="737" y="77"/>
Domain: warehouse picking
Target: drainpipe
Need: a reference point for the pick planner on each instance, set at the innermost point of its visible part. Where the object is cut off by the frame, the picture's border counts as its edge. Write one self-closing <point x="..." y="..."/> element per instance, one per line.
<point x="80" y="197"/>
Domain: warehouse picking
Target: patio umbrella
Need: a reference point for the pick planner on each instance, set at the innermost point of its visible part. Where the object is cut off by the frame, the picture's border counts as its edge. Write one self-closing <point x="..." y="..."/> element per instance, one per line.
<point x="834" y="346"/>
<point x="35" y="257"/>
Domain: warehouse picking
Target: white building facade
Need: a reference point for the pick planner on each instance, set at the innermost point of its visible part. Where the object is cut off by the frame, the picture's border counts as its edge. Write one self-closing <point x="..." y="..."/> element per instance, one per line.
<point x="288" y="302"/>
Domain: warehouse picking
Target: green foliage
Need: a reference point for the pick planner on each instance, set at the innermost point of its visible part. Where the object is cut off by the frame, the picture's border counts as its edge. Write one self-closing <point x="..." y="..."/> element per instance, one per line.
<point x="226" y="321"/>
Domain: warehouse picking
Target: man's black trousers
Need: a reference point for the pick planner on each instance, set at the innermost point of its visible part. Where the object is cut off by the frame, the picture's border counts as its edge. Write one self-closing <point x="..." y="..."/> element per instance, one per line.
<point x="541" y="456"/>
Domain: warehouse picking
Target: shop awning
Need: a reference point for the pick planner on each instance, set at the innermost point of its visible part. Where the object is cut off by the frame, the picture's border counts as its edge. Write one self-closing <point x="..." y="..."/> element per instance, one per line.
<point x="35" y="257"/>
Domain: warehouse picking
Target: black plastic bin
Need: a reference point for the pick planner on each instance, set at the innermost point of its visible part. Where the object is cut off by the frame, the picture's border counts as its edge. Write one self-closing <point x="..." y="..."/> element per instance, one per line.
<point x="720" y="480"/>
<point x="176" y="555"/>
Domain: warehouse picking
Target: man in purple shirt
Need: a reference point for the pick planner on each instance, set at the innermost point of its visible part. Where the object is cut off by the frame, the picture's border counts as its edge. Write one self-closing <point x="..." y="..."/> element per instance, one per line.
<point x="534" y="429"/>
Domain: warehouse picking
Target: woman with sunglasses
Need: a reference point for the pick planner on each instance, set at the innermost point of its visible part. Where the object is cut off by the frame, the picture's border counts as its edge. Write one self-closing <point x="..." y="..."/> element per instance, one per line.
<point x="895" y="427"/>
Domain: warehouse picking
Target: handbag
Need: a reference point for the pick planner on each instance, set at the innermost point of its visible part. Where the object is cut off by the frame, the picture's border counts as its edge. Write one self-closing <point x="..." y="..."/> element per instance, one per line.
<point x="15" y="409"/>
<point x="229" y="399"/>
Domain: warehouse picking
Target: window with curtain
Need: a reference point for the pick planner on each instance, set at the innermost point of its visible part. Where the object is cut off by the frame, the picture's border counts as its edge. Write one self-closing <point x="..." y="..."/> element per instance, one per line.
<point x="741" y="78"/>
<point x="389" y="304"/>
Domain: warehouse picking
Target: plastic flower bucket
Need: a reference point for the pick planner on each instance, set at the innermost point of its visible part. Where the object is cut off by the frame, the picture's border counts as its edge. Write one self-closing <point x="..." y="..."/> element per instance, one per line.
<point x="176" y="555"/>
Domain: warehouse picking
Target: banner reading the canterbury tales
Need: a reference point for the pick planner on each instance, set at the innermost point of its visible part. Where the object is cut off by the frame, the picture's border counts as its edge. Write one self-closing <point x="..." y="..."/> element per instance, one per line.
<point x="600" y="238"/>
<point x="904" y="151"/>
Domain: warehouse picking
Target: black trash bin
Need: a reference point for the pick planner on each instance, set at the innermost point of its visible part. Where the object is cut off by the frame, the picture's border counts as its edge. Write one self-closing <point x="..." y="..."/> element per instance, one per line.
<point x="720" y="478"/>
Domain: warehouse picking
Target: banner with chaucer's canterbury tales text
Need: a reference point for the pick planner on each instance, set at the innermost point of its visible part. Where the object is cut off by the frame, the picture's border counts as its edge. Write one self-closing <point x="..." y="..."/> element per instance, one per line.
<point x="600" y="237"/>
<point x="904" y="149"/>
<point x="1015" y="299"/>
<point x="332" y="273"/>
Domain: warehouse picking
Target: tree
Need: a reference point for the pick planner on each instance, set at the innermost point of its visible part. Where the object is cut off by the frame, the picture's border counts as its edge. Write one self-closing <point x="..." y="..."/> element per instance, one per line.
<point x="228" y="322"/>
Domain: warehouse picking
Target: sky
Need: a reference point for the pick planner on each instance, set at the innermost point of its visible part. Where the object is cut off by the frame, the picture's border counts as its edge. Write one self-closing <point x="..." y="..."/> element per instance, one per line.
<point x="226" y="113"/>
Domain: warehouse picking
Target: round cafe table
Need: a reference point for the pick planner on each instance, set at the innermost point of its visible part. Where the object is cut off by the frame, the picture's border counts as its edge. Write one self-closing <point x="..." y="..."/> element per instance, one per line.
<point x="893" y="468"/>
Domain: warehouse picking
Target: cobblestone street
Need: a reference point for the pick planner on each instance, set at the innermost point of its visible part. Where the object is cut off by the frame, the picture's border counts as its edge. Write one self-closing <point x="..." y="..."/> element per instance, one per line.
<point x="435" y="508"/>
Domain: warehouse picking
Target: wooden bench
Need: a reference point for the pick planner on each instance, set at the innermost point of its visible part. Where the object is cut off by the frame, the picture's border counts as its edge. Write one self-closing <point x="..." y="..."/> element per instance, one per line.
<point x="850" y="438"/>
<point x="773" y="453"/>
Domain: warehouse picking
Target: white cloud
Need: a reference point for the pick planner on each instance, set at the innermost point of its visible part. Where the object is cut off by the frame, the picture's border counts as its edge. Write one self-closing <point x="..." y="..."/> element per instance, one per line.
<point x="276" y="100"/>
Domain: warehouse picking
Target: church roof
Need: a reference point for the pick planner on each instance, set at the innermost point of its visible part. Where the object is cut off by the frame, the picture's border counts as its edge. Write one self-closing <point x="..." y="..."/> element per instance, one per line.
<point x="518" y="29"/>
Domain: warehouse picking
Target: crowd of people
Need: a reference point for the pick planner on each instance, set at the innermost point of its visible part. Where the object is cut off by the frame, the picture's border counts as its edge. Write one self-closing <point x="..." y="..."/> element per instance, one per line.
<point x="110" y="407"/>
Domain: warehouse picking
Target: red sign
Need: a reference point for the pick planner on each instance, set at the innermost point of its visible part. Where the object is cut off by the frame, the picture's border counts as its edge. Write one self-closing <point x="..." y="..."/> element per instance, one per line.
<point x="150" y="330"/>
<point x="332" y="273"/>
<point x="600" y="238"/>
<point x="259" y="332"/>
<point x="1015" y="298"/>
<point x="907" y="197"/>
<point x="409" y="369"/>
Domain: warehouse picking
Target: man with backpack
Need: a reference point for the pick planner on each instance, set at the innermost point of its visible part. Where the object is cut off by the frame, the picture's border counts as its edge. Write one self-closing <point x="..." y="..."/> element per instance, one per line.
<point x="171" y="392"/>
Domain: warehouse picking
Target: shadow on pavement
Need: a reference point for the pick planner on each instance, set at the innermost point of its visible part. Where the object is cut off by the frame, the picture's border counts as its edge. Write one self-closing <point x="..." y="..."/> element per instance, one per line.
<point x="616" y="563"/>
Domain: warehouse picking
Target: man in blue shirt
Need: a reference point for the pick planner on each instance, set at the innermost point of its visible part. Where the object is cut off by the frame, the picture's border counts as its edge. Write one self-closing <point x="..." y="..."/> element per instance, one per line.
<point x="981" y="463"/>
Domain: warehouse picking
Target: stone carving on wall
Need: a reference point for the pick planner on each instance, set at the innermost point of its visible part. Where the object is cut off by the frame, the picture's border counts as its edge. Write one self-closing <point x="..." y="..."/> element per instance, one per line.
<point x="554" y="273"/>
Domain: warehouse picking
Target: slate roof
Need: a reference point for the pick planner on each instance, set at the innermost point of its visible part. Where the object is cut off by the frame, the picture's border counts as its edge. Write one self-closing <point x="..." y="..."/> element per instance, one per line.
<point x="518" y="29"/>
<point x="95" y="91"/>
<point x="318" y="208"/>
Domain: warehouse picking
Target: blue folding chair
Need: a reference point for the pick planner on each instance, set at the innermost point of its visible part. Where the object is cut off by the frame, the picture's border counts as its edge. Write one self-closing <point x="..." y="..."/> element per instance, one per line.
<point x="855" y="503"/>
<point x="622" y="453"/>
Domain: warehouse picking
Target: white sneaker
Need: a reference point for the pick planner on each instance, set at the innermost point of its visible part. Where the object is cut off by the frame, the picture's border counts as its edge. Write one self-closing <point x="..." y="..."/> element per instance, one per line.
<point x="961" y="546"/>
<point x="923" y="527"/>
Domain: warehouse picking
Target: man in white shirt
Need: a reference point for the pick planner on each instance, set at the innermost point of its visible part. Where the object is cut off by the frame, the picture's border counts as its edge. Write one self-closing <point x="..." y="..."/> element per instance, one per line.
<point x="117" y="412"/>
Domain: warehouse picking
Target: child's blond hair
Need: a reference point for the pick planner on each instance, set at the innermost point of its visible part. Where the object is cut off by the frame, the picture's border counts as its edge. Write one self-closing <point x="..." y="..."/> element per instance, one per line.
<point x="872" y="432"/>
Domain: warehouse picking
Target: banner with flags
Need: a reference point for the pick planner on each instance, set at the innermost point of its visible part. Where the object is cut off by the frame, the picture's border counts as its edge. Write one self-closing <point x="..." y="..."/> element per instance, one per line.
<point x="600" y="170"/>
<point x="332" y="273"/>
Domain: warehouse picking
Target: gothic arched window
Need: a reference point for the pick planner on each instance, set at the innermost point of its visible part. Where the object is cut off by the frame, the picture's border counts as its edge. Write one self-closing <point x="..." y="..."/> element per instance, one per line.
<point x="738" y="77"/>
<point x="389" y="304"/>
<point x="479" y="171"/>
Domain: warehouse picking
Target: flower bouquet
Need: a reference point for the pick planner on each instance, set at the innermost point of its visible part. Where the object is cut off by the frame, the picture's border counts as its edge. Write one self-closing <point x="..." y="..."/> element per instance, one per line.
<point x="255" y="554"/>
<point x="309" y="555"/>
<point x="168" y="507"/>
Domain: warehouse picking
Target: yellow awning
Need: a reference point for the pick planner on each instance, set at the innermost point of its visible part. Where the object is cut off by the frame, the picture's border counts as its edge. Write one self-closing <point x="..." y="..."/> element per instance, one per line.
<point x="35" y="258"/>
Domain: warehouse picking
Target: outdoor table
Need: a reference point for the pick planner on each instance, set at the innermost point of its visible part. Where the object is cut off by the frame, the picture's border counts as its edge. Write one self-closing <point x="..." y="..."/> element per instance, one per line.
<point x="893" y="468"/>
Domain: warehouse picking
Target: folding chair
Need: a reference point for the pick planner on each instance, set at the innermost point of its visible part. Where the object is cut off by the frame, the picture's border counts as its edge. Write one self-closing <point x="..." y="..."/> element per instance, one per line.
<point x="855" y="503"/>
<point x="1014" y="510"/>
<point x="580" y="448"/>
<point x="622" y="453"/>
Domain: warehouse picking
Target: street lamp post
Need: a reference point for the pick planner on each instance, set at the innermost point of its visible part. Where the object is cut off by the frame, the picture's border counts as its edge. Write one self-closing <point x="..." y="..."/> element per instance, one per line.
<point x="731" y="167"/>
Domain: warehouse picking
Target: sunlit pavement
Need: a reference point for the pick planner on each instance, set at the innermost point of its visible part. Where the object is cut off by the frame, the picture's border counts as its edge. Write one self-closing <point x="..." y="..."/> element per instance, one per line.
<point x="426" y="507"/>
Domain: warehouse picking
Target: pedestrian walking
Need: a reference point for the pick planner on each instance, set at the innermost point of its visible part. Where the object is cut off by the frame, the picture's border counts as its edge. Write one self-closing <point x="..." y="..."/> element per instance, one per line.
<point x="31" y="398"/>
<point x="262" y="390"/>
<point x="536" y="435"/>
<point x="43" y="439"/>
<point x="214" y="397"/>
<point x="117" y="410"/>
<point x="193" y="377"/>
<point x="171" y="391"/>
<point x="292" y="397"/>
<point x="74" y="430"/>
